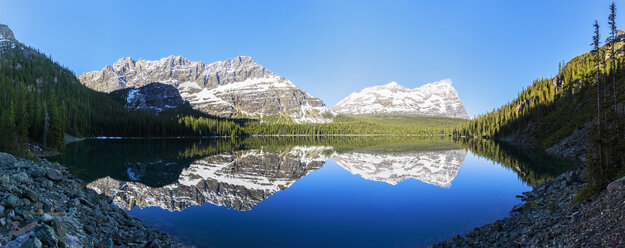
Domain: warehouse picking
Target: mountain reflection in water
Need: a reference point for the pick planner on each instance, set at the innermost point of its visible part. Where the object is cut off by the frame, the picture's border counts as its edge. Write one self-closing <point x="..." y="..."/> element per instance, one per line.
<point x="240" y="174"/>
<point x="242" y="179"/>
<point x="436" y="167"/>
<point x="326" y="191"/>
<point x="238" y="180"/>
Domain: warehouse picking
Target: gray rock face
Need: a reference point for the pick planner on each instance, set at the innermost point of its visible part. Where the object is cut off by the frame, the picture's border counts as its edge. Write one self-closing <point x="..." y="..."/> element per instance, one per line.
<point x="154" y="97"/>
<point x="435" y="99"/>
<point x="237" y="87"/>
<point x="6" y="33"/>
<point x="575" y="146"/>
<point x="238" y="180"/>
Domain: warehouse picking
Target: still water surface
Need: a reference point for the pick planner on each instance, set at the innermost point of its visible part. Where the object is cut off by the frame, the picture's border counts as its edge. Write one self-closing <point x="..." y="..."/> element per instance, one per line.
<point x="310" y="192"/>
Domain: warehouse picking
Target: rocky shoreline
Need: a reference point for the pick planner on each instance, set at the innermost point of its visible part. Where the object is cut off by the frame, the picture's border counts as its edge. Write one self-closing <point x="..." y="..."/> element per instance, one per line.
<point x="549" y="218"/>
<point x="43" y="205"/>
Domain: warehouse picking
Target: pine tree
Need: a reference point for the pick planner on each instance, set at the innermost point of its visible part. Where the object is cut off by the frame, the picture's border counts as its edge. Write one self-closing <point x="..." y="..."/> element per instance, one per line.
<point x="599" y="139"/>
<point x="612" y="40"/>
<point x="56" y="137"/>
<point x="23" y="119"/>
<point x="8" y="135"/>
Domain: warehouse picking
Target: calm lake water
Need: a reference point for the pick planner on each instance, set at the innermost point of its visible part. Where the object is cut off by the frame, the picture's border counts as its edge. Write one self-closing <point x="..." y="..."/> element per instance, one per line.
<point x="311" y="192"/>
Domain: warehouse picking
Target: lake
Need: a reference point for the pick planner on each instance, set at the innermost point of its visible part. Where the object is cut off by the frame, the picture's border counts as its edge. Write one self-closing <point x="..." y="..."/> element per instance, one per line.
<point x="311" y="191"/>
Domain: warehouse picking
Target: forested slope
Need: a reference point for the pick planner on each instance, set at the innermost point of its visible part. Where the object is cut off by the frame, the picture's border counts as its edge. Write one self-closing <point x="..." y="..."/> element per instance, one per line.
<point x="551" y="108"/>
<point x="40" y="101"/>
<point x="585" y="97"/>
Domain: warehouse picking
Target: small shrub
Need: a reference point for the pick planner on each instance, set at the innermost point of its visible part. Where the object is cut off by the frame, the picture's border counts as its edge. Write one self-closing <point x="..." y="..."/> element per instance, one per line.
<point x="588" y="191"/>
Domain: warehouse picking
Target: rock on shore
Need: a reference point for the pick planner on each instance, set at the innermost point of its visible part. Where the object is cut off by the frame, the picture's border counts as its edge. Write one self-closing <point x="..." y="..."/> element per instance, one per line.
<point x="549" y="218"/>
<point x="42" y="205"/>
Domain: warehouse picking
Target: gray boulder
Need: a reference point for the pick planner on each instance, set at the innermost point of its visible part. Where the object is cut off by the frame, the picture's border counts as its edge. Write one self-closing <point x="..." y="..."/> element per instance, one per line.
<point x="7" y="159"/>
<point x="617" y="184"/>
<point x="32" y="243"/>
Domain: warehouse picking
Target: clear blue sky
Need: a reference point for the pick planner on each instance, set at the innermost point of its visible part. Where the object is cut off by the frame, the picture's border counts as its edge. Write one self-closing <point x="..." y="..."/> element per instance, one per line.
<point x="490" y="49"/>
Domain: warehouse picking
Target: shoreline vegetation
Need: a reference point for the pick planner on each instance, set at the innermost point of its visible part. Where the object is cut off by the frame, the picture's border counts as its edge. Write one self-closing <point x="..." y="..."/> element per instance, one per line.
<point x="264" y="135"/>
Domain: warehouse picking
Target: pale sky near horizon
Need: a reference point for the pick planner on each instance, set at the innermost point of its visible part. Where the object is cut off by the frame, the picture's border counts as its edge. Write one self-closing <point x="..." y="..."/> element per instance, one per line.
<point x="489" y="49"/>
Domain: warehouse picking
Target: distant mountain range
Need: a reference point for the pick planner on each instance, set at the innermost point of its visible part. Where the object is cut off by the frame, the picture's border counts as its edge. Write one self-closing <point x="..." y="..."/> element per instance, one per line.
<point x="234" y="88"/>
<point x="434" y="99"/>
<point x="242" y="88"/>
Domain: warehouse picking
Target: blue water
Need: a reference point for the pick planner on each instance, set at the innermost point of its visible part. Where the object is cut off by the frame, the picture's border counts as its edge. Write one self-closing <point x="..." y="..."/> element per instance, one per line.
<point x="412" y="194"/>
<point x="331" y="207"/>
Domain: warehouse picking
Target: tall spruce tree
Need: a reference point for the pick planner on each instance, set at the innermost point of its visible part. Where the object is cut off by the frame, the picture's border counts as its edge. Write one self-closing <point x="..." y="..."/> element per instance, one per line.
<point x="612" y="41"/>
<point x="596" y="42"/>
<point x="56" y="138"/>
<point x="22" y="119"/>
<point x="8" y="135"/>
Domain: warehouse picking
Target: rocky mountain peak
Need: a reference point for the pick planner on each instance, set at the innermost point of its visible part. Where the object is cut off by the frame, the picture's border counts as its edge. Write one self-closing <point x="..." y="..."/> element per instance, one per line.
<point x="442" y="86"/>
<point x="175" y="60"/>
<point x="124" y="61"/>
<point x="123" y="64"/>
<point x="389" y="87"/>
<point x="237" y="87"/>
<point x="435" y="99"/>
<point x="6" y="33"/>
<point x="242" y="60"/>
<point x="393" y="85"/>
<point x="444" y="82"/>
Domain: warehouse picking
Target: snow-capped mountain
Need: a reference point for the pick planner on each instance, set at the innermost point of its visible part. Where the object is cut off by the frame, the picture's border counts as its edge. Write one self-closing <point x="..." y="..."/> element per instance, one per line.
<point x="238" y="180"/>
<point x="237" y="87"/>
<point x="434" y="99"/>
<point x="437" y="167"/>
